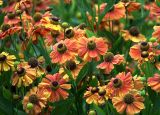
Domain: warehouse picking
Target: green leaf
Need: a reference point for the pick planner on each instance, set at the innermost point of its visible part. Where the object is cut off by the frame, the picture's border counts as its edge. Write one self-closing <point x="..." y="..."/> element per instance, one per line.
<point x="82" y="73"/>
<point x="158" y="3"/>
<point x="98" y="109"/>
<point x="89" y="33"/>
<point x="7" y="94"/>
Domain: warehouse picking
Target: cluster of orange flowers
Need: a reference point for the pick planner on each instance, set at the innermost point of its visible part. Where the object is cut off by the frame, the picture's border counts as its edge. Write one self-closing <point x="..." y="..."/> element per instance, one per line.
<point x="70" y="49"/>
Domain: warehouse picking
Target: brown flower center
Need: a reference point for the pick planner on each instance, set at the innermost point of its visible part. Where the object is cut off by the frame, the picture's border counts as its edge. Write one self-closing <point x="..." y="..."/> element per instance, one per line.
<point x="33" y="99"/>
<point x="144" y="46"/>
<point x="55" y="85"/>
<point x="94" y="89"/>
<point x="61" y="48"/>
<point x="49" y="68"/>
<point x="2" y="58"/>
<point x="69" y="33"/>
<point x="71" y="65"/>
<point x="11" y="15"/>
<point x="128" y="99"/>
<point x="102" y="92"/>
<point x="5" y="27"/>
<point x="91" y="45"/>
<point x="37" y="17"/>
<point x="134" y="31"/>
<point x="108" y="57"/>
<point x="144" y="54"/>
<point x="117" y="83"/>
<point x="33" y="62"/>
<point x="55" y="20"/>
<point x="21" y="71"/>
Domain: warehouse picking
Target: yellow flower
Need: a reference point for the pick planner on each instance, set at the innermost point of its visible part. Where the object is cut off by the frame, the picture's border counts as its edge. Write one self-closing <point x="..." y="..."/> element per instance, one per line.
<point x="1" y="2"/>
<point x="6" y="61"/>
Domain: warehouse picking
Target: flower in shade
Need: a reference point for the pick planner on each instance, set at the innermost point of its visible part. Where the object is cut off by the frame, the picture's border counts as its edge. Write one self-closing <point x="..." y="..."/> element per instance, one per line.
<point x="35" y="100"/>
<point x="64" y="51"/>
<point x="91" y="48"/>
<point x="24" y="75"/>
<point x="129" y="103"/>
<point x="138" y="83"/>
<point x="121" y="84"/>
<point x="74" y="66"/>
<point x="109" y="61"/>
<point x="7" y="30"/>
<point x="154" y="82"/>
<point x="115" y="13"/>
<point x="133" y="34"/>
<point x="56" y="85"/>
<point x="33" y="62"/>
<point x="91" y="95"/>
<point x="6" y="61"/>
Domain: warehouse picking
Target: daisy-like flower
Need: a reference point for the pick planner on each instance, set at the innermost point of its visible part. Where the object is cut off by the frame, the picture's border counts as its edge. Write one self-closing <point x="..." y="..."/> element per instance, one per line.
<point x="138" y="83"/>
<point x="24" y="75"/>
<point x="154" y="82"/>
<point x="7" y="30"/>
<point x="109" y="61"/>
<point x="91" y="48"/>
<point x="6" y="61"/>
<point x="121" y="84"/>
<point x="91" y="95"/>
<point x="74" y="66"/>
<point x="10" y="7"/>
<point x="115" y="13"/>
<point x="144" y="51"/>
<point x="133" y="34"/>
<point x="131" y="103"/>
<point x="56" y="86"/>
<point x="103" y="94"/>
<point x="156" y="32"/>
<point x="155" y="10"/>
<point x="33" y="62"/>
<point x="131" y="5"/>
<point x="11" y="19"/>
<point x="35" y="100"/>
<point x="64" y="51"/>
<point x="23" y="5"/>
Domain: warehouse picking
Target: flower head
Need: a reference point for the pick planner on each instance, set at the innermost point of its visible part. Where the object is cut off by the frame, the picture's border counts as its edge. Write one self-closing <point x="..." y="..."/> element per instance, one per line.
<point x="131" y="103"/>
<point x="64" y="51"/>
<point x="154" y="82"/>
<point x="91" y="48"/>
<point x="35" y="100"/>
<point x="121" y="84"/>
<point x="56" y="85"/>
<point x="6" y="61"/>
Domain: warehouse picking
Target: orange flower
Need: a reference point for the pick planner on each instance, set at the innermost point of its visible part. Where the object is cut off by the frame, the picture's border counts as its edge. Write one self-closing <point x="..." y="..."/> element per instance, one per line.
<point x="155" y="10"/>
<point x="24" y="75"/>
<point x="115" y="13"/>
<point x="33" y="62"/>
<point x="74" y="66"/>
<point x="35" y="100"/>
<point x="91" y="48"/>
<point x="7" y="30"/>
<point x="91" y="95"/>
<point x="23" y="5"/>
<point x="154" y="82"/>
<point x="64" y="51"/>
<point x="133" y="34"/>
<point x="11" y="19"/>
<point x="56" y="85"/>
<point x="131" y="103"/>
<point x="121" y="84"/>
<point x="132" y="6"/>
<point x="109" y="61"/>
<point x="42" y="4"/>
<point x="156" y="32"/>
<point x="10" y="7"/>
<point x="144" y="51"/>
